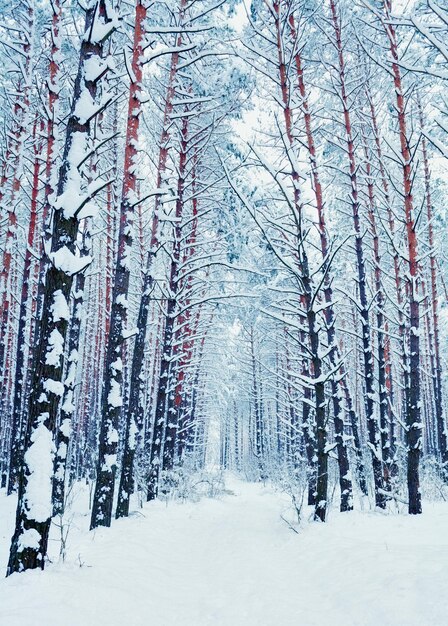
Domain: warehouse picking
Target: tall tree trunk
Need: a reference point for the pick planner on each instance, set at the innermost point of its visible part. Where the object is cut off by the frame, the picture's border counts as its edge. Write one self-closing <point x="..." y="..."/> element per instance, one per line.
<point x="435" y="343"/>
<point x="68" y="400"/>
<point x="113" y="384"/>
<point x="136" y="388"/>
<point x="20" y="134"/>
<point x="343" y="461"/>
<point x="368" y="360"/>
<point x="52" y="110"/>
<point x="306" y="289"/>
<point x="380" y="330"/>
<point x="34" y="509"/>
<point x="20" y="370"/>
<point x="413" y="410"/>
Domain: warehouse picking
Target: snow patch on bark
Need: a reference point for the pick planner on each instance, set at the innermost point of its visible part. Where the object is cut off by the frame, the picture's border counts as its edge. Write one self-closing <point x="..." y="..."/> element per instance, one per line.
<point x="30" y="538"/>
<point x="114" y="398"/>
<point x="56" y="348"/>
<point x="59" y="308"/>
<point x="69" y="263"/>
<point x="54" y="386"/>
<point x="39" y="461"/>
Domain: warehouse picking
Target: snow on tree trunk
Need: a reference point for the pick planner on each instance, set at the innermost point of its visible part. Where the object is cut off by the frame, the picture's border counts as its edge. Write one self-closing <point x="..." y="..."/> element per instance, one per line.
<point x="62" y="440"/>
<point x="434" y="338"/>
<point x="136" y="387"/>
<point x="343" y="460"/>
<point x="73" y="201"/>
<point x="413" y="408"/>
<point x="112" y="389"/>
<point x="16" y="145"/>
<point x="20" y="377"/>
<point x="372" y="424"/>
<point x="306" y="289"/>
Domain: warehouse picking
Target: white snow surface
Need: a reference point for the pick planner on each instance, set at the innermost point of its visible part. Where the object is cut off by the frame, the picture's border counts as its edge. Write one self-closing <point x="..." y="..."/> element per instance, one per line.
<point x="232" y="561"/>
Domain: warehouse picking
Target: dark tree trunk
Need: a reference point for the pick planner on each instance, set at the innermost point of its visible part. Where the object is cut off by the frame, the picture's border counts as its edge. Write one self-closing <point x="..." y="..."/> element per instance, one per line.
<point x="113" y="385"/>
<point x="20" y="371"/>
<point x="434" y="337"/>
<point x="368" y="360"/>
<point x="67" y="406"/>
<point x="161" y="401"/>
<point x="135" y="409"/>
<point x="354" y="426"/>
<point x="135" y="419"/>
<point x="413" y="410"/>
<point x="380" y="322"/>
<point x="343" y="460"/>
<point x="29" y="543"/>
<point x="305" y="286"/>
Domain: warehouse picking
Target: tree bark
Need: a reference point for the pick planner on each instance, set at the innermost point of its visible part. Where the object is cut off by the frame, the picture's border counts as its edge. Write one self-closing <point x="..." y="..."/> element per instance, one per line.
<point x="29" y="543"/>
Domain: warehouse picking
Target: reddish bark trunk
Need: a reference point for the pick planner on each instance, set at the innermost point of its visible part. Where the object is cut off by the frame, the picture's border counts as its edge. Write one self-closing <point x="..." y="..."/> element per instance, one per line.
<point x="368" y="371"/>
<point x="413" y="420"/>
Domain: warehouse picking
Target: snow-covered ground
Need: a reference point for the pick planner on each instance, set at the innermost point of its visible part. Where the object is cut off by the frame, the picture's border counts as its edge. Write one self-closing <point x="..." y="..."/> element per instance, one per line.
<point x="233" y="561"/>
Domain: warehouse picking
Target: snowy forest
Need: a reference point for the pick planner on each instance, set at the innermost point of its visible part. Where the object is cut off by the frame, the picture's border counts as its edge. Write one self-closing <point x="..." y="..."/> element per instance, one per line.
<point x="223" y="293"/>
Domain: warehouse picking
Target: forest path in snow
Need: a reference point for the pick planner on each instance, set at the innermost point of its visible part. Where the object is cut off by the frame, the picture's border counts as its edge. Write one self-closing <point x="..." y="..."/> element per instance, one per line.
<point x="233" y="561"/>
